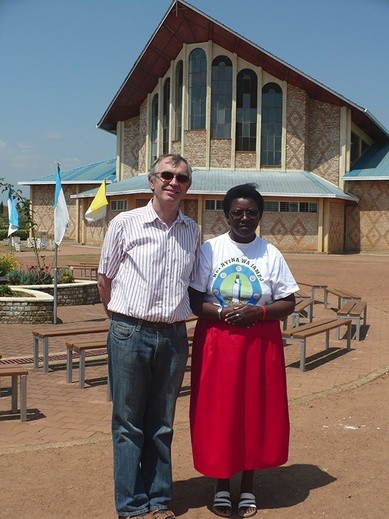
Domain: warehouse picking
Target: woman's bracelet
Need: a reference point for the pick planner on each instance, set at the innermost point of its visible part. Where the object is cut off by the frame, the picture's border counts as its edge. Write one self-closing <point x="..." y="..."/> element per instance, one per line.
<point x="263" y="312"/>
<point x="219" y="313"/>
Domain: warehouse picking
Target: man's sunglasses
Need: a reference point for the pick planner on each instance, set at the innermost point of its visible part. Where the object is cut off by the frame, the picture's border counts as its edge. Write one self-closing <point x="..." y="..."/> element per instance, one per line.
<point x="167" y="176"/>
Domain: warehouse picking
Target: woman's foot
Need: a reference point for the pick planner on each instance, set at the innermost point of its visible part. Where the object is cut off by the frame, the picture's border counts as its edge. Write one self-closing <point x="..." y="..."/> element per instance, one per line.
<point x="222" y="505"/>
<point x="247" y="506"/>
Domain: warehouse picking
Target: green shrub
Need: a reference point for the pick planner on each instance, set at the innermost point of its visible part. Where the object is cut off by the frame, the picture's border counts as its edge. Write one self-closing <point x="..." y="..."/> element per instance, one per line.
<point x="8" y="263"/>
<point x="65" y="276"/>
<point x="22" y="233"/>
<point x="5" y="291"/>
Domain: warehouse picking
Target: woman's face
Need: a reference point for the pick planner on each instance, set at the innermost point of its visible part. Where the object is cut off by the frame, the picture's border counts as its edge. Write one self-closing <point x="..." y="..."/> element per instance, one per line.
<point x="243" y="219"/>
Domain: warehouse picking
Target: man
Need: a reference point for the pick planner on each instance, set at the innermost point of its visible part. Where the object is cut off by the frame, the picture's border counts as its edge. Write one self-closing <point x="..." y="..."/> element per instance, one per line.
<point x="145" y="268"/>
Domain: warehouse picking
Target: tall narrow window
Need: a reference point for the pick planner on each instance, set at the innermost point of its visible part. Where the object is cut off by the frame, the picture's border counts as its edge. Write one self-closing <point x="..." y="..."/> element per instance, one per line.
<point x="154" y="129"/>
<point x="246" y="111"/>
<point x="221" y="98"/>
<point x="178" y="101"/>
<point x="271" y="131"/>
<point x="197" y="89"/>
<point x="166" y="116"/>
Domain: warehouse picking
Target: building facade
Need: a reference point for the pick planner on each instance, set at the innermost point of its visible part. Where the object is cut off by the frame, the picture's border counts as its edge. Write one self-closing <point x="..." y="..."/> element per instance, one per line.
<point x="239" y="114"/>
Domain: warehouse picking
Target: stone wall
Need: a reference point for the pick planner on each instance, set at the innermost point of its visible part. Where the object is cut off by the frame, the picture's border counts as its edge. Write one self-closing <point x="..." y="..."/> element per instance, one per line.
<point x="72" y="294"/>
<point x="31" y="307"/>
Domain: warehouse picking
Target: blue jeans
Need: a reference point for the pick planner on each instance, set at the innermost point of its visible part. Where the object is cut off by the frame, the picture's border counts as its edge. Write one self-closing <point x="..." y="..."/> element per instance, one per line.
<point x="146" y="368"/>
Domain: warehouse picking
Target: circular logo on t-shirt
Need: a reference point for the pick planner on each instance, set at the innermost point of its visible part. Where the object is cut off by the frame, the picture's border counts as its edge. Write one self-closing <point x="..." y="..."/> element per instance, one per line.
<point x="236" y="284"/>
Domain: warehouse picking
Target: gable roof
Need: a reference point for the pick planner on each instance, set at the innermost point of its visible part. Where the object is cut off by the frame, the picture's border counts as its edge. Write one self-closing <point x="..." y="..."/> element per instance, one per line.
<point x="290" y="184"/>
<point x="89" y="174"/>
<point x="184" y="23"/>
<point x="373" y="165"/>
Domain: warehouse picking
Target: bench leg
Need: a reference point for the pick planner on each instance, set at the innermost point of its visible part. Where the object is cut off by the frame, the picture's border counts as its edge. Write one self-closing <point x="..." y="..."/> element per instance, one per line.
<point x="69" y="365"/>
<point x="310" y="312"/>
<point x="349" y="336"/>
<point x="327" y="340"/>
<point x="14" y="394"/>
<point x="23" y="398"/>
<point x="35" y="351"/>
<point x="302" y="354"/>
<point x="46" y="355"/>
<point x="81" y="381"/>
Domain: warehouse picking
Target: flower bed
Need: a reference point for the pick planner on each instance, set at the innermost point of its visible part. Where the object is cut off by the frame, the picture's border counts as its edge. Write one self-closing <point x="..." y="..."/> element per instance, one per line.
<point x="78" y="293"/>
<point x="26" y="306"/>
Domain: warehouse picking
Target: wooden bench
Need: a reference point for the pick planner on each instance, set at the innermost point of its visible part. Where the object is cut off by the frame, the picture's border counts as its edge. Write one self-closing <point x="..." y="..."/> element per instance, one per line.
<point x="313" y="288"/>
<point x="61" y="330"/>
<point x="81" y="347"/>
<point x="354" y="309"/>
<point x="342" y="296"/>
<point x="301" y="305"/>
<point x="17" y="374"/>
<point x="301" y="333"/>
<point x="86" y="270"/>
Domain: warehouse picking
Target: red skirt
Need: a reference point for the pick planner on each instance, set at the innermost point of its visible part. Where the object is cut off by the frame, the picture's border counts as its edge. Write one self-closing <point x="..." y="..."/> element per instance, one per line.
<point x="239" y="409"/>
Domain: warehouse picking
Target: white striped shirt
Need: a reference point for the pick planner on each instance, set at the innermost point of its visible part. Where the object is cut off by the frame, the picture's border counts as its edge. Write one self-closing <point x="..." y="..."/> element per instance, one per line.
<point x="150" y="264"/>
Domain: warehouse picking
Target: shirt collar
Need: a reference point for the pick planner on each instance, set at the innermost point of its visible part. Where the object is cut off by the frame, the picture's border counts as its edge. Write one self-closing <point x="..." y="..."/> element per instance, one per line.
<point x="151" y="215"/>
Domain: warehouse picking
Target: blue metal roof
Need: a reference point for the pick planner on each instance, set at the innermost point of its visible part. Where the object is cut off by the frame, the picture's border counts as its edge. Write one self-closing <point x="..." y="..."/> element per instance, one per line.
<point x="290" y="184"/>
<point x="89" y="174"/>
<point x="373" y="165"/>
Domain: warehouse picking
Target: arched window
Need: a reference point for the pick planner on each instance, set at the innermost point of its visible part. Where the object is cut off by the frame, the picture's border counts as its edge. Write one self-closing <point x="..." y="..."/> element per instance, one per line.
<point x="197" y="89"/>
<point x="221" y="98"/>
<point x="271" y="131"/>
<point x="178" y="100"/>
<point x="154" y="129"/>
<point x="246" y="110"/>
<point x="165" y="116"/>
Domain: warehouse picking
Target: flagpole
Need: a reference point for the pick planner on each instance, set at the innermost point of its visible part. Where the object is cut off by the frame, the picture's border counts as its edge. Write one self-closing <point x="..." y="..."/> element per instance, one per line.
<point x="61" y="220"/>
<point x="55" y="283"/>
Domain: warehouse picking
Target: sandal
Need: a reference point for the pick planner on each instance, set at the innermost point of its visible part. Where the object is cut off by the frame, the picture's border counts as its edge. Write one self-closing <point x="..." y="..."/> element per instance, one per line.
<point x="222" y="505"/>
<point x="247" y="505"/>
<point x="162" y="514"/>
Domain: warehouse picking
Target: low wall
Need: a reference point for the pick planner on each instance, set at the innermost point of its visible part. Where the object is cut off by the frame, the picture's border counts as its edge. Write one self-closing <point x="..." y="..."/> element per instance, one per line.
<point x="70" y="294"/>
<point x="30" y="306"/>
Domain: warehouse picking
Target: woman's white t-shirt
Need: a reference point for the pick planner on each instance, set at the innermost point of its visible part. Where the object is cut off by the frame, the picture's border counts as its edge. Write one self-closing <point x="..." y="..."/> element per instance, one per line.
<point x="234" y="273"/>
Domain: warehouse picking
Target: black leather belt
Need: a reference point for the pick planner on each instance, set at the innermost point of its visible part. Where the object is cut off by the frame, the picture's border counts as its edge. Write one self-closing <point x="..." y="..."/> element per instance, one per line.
<point x="148" y="324"/>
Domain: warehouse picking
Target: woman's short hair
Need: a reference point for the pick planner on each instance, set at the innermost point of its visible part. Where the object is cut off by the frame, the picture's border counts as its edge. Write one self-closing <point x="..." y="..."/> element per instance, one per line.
<point x="175" y="159"/>
<point x="243" y="191"/>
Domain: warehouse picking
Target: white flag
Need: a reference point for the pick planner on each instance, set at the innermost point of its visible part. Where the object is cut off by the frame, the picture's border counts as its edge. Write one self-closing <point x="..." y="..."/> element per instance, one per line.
<point x="61" y="214"/>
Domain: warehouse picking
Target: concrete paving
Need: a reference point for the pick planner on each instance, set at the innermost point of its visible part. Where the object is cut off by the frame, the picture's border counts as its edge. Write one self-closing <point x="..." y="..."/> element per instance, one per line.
<point x="62" y="414"/>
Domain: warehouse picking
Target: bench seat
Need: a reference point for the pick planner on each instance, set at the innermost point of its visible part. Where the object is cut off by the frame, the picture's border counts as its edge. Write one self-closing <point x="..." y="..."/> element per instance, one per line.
<point x="313" y="288"/>
<point x="81" y="347"/>
<point x="342" y="296"/>
<point x="17" y="374"/>
<point x="356" y="310"/>
<point x="301" y="334"/>
<point x="62" y="330"/>
<point x="301" y="305"/>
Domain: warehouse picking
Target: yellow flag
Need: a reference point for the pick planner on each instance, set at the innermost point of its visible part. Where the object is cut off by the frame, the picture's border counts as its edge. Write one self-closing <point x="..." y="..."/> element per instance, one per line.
<point x="98" y="208"/>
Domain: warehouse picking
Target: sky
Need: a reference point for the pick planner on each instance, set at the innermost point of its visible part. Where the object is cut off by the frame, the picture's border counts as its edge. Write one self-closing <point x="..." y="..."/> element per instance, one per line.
<point x="63" y="61"/>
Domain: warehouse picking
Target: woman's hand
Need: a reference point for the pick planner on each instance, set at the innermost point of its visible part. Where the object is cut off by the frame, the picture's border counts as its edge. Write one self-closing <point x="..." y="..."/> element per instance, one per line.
<point x="243" y="316"/>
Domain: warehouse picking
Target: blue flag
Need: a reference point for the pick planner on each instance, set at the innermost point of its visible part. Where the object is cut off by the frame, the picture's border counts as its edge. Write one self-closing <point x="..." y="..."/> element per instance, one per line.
<point x="61" y="214"/>
<point x="13" y="216"/>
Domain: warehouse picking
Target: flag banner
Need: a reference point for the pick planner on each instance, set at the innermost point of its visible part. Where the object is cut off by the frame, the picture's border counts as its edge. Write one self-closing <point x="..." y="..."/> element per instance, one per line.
<point x="13" y="216"/>
<point x="98" y="208"/>
<point x="61" y="214"/>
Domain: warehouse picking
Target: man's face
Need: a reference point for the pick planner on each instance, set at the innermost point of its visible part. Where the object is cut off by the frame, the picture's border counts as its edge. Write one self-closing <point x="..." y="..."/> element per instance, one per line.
<point x="171" y="181"/>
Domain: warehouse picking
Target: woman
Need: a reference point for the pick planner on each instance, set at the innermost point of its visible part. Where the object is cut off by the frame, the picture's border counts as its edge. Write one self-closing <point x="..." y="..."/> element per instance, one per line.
<point x="239" y="410"/>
